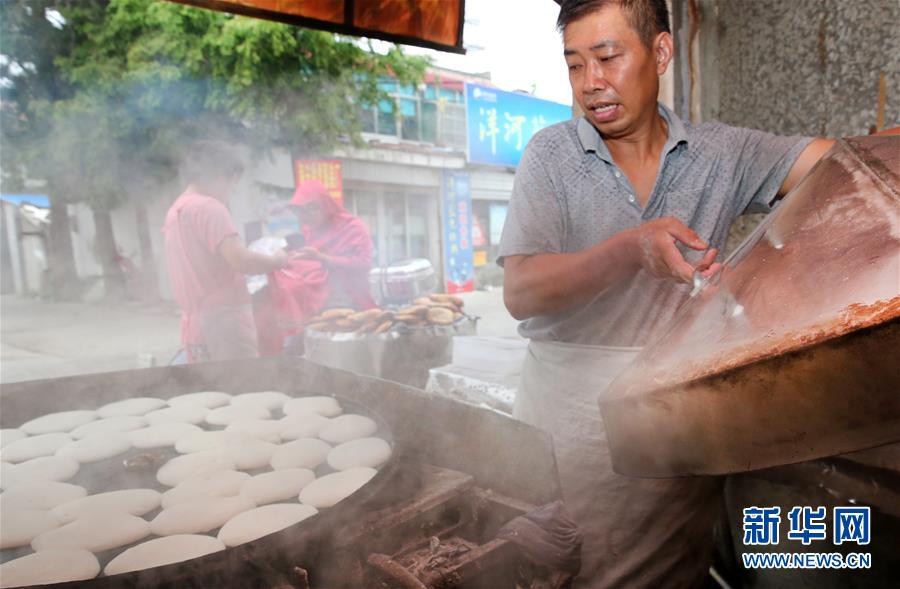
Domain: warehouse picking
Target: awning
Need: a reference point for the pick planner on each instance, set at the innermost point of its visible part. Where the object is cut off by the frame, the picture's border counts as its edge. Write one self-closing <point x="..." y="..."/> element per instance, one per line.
<point x="436" y="24"/>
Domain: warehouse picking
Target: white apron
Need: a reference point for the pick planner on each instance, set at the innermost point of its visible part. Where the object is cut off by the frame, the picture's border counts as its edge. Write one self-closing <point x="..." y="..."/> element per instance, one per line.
<point x="655" y="533"/>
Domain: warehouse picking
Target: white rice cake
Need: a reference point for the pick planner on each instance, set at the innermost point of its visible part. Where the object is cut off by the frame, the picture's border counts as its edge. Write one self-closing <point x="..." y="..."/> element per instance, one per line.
<point x="181" y="414"/>
<point x="34" y="447"/>
<point x="49" y="566"/>
<point x="162" y="435"/>
<point x="371" y="452"/>
<point x="302" y="425"/>
<point x="9" y="435"/>
<point x="331" y="488"/>
<point x="199" y="516"/>
<point x="40" y="495"/>
<point x="95" y="532"/>
<point x="324" y="406"/>
<point x="20" y="526"/>
<point x="348" y="427"/>
<point x="208" y="399"/>
<point x="183" y="467"/>
<point x="130" y="501"/>
<point x="109" y="425"/>
<point x="302" y="453"/>
<point x="271" y="400"/>
<point x="225" y="415"/>
<point x="203" y="440"/>
<point x="249" y="454"/>
<point x="267" y="430"/>
<point x="45" y="468"/>
<point x="96" y="447"/>
<point x="136" y="406"/>
<point x="262" y="521"/>
<point x="63" y="421"/>
<point x="222" y="483"/>
<point x="163" y="551"/>
<point x="278" y="485"/>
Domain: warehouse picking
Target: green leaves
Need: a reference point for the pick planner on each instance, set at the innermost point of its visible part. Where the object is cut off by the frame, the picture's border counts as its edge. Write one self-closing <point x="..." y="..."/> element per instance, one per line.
<point x="126" y="84"/>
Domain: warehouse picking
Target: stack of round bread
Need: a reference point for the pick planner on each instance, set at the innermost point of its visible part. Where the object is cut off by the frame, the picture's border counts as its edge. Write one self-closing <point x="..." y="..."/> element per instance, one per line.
<point x="240" y="467"/>
<point x="435" y="309"/>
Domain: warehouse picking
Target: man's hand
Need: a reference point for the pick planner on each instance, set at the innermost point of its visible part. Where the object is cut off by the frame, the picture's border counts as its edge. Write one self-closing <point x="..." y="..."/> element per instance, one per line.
<point x="311" y="253"/>
<point x="655" y="247"/>
<point x="308" y="253"/>
<point x="248" y="262"/>
<point x="543" y="284"/>
<point x="281" y="259"/>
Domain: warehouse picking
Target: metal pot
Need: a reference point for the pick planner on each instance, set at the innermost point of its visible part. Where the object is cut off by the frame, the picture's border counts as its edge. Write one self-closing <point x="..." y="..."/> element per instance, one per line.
<point x="789" y="354"/>
<point x="424" y="429"/>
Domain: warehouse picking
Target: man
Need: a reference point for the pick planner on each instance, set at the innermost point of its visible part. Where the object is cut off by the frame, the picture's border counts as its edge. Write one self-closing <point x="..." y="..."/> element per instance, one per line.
<point x="611" y="214"/>
<point x="207" y="260"/>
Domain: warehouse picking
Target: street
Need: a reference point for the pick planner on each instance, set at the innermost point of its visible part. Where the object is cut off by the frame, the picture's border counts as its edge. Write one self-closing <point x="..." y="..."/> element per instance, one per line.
<point x="40" y="339"/>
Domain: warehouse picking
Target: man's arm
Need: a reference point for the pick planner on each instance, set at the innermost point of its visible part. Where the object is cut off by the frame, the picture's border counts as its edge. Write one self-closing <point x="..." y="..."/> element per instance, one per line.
<point x="812" y="154"/>
<point x="249" y="262"/>
<point x="361" y="259"/>
<point x="544" y="284"/>
<point x="807" y="159"/>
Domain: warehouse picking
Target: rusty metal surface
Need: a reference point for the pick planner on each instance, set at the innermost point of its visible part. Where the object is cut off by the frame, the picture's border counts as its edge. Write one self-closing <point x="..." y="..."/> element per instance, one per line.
<point x="786" y="355"/>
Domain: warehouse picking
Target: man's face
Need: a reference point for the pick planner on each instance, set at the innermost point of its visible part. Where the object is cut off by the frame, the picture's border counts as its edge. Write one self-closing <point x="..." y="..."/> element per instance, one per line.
<point x="614" y="76"/>
<point x="222" y="186"/>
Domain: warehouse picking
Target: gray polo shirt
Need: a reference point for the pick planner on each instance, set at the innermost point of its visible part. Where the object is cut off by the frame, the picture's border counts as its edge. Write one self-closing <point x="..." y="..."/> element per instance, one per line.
<point x="569" y="195"/>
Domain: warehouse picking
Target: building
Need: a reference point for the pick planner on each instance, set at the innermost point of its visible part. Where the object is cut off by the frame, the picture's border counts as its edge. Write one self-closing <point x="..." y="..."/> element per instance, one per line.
<point x="432" y="181"/>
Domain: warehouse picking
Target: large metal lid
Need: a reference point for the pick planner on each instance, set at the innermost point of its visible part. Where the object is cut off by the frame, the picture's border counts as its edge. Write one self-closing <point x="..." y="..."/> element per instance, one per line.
<point x="790" y="353"/>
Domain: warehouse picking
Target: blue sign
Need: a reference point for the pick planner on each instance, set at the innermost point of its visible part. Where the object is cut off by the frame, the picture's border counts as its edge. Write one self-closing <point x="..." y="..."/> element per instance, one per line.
<point x="499" y="124"/>
<point x="459" y="272"/>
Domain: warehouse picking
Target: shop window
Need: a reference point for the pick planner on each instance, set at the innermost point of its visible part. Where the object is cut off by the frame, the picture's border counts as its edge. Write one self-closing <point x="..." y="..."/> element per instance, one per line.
<point x="409" y="119"/>
<point x="451" y="95"/>
<point x="400" y="223"/>
<point x="367" y="120"/>
<point x="417" y="226"/>
<point x="429" y="122"/>
<point x="395" y="209"/>
<point x="364" y="205"/>
<point x="427" y="114"/>
<point x="386" y="119"/>
<point x="453" y="126"/>
<point x="388" y="86"/>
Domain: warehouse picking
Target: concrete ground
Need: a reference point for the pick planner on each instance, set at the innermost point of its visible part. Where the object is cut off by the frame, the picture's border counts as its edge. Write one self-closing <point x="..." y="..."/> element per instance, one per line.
<point x="40" y="339"/>
<point x="45" y="340"/>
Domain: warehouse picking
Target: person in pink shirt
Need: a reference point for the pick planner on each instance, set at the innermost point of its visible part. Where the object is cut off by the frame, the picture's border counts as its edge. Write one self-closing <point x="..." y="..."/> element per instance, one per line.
<point x="207" y="260"/>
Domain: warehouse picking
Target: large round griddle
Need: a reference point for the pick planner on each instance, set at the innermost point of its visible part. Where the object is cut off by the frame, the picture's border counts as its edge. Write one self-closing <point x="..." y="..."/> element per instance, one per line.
<point x="790" y="353"/>
<point x="261" y="563"/>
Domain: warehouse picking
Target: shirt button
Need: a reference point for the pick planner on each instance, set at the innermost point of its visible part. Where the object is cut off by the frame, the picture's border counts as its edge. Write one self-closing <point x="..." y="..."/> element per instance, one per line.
<point x="618" y="174"/>
<point x="630" y="198"/>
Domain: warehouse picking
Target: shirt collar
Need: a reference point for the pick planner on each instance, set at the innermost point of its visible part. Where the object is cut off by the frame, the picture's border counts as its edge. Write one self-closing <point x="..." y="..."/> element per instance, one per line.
<point x="591" y="140"/>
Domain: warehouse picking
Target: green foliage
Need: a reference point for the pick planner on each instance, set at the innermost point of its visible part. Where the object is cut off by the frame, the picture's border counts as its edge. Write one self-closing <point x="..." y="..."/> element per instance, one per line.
<point x="118" y="91"/>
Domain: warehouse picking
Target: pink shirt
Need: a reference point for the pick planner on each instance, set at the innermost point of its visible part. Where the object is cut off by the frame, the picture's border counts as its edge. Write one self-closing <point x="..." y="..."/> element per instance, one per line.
<point x="201" y="278"/>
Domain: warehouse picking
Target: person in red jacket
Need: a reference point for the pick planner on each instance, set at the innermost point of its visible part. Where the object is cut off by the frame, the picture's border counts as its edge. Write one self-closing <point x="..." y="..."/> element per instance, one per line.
<point x="331" y="270"/>
<point x="337" y="239"/>
<point x="207" y="260"/>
